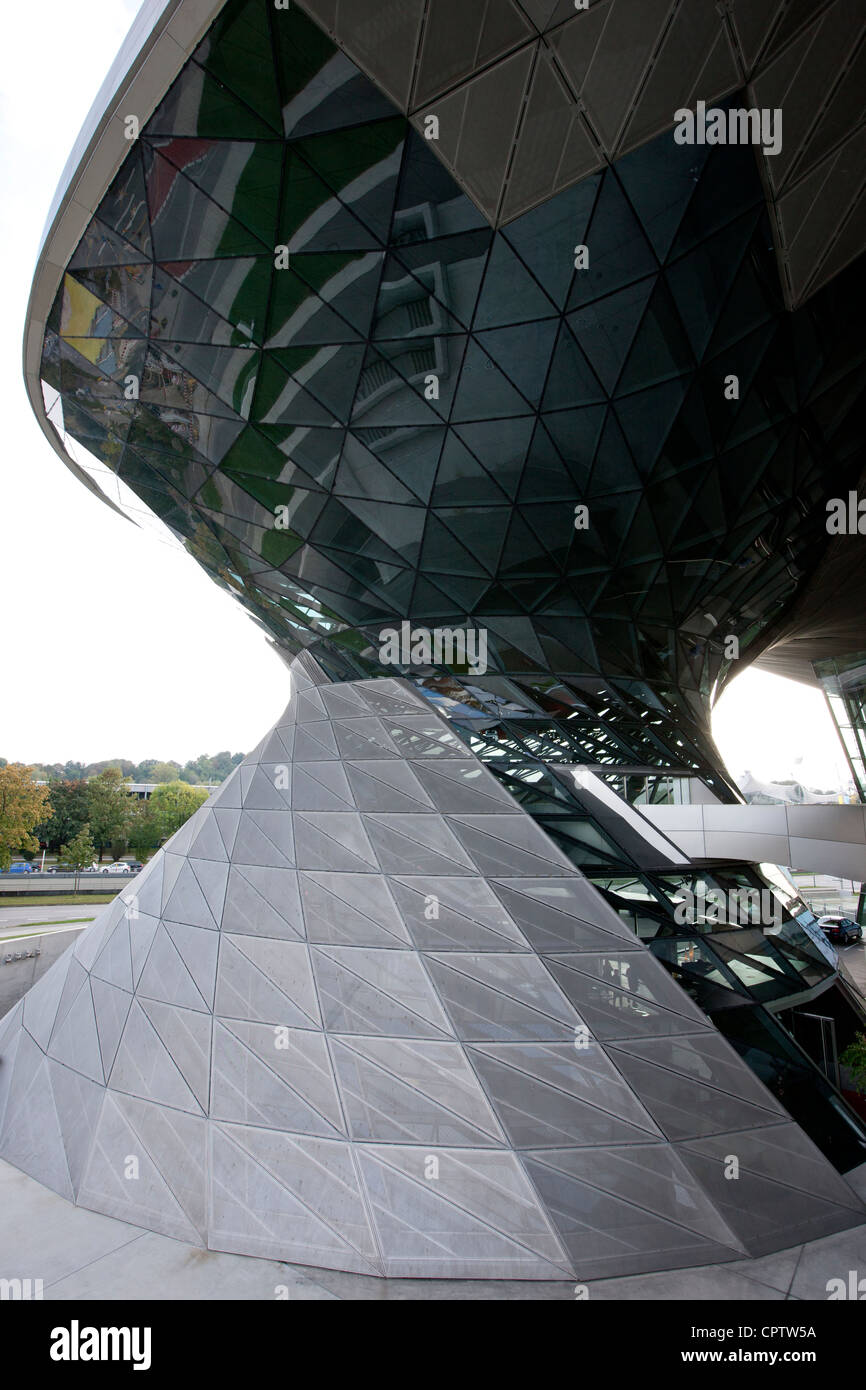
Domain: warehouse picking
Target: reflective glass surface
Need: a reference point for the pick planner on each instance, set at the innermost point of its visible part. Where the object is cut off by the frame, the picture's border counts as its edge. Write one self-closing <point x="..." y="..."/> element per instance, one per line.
<point x="429" y="400"/>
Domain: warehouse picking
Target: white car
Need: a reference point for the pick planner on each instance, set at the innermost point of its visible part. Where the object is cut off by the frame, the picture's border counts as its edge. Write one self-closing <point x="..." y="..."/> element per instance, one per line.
<point x="118" y="867"/>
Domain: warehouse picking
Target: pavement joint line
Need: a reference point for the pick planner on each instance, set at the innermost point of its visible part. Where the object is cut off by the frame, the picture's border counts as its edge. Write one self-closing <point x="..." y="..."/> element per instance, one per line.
<point x="756" y="1278"/>
<point x="98" y="1258"/>
<point x="796" y="1271"/>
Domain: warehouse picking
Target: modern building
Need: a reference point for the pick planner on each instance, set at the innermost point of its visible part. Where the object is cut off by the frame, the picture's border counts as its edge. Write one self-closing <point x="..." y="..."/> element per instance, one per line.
<point x="509" y="401"/>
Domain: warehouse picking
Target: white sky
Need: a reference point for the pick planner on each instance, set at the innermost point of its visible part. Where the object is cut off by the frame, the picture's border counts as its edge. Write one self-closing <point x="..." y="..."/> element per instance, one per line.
<point x="114" y="642"/>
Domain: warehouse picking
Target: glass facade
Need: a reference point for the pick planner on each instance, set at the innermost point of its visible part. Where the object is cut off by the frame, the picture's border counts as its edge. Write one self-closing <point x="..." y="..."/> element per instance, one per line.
<point x="308" y="388"/>
<point x="844" y="683"/>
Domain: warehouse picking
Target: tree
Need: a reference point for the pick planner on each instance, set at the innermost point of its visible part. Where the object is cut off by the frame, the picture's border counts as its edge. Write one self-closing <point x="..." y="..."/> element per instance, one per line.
<point x="79" y="853"/>
<point x="215" y="769"/>
<point x="121" y="765"/>
<point x="172" y="804"/>
<point x="109" y="808"/>
<point x="164" y="772"/>
<point x="144" y="832"/>
<point x="142" y="772"/>
<point x="854" y="1057"/>
<point x="69" y="810"/>
<point x="22" y="806"/>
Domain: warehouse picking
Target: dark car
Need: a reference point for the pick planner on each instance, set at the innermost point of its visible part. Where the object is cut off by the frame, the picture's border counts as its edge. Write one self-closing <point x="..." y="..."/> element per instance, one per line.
<point x="134" y="866"/>
<point x="840" y="930"/>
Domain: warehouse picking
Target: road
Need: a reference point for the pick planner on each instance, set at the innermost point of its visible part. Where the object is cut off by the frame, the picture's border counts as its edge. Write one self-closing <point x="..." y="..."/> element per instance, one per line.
<point x="12" y="919"/>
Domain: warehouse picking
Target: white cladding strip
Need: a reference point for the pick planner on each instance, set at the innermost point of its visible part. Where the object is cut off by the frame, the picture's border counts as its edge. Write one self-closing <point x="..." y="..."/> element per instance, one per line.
<point x="826" y="839"/>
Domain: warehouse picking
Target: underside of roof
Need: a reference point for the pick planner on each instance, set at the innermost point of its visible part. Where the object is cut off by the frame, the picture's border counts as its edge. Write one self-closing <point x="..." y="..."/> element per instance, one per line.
<point x="533" y="95"/>
<point x="826" y="620"/>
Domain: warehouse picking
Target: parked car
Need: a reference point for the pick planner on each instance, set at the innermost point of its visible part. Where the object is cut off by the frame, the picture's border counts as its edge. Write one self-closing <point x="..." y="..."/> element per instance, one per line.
<point x="840" y="930"/>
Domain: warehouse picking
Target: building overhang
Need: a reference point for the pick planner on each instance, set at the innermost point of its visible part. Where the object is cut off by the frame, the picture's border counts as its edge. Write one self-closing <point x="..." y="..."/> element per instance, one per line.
<point x="540" y="83"/>
<point x="161" y="39"/>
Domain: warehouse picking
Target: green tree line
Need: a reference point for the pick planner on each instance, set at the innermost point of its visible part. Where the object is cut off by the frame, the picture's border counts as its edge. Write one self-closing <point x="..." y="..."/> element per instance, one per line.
<point x="205" y="769"/>
<point x="68" y="816"/>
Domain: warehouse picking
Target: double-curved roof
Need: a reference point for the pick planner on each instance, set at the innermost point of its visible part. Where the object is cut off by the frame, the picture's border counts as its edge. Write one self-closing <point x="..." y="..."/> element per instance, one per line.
<point x="600" y="390"/>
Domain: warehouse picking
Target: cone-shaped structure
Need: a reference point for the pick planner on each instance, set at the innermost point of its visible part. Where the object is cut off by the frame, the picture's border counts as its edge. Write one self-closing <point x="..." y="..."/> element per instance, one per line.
<point x="360" y="1013"/>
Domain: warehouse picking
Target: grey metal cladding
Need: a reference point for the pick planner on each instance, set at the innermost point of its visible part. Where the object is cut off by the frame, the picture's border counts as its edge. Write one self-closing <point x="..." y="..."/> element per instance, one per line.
<point x="361" y="1013"/>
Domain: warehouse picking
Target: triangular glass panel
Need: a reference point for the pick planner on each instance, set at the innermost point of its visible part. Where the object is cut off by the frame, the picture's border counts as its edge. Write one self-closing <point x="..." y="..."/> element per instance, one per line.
<point x="324" y="297"/>
<point x="647" y="417"/>
<point x="188" y="225"/>
<point x="239" y="51"/>
<point x="450" y="269"/>
<point x="322" y="89"/>
<point x="605" y="331"/>
<point x="312" y="217"/>
<point x="510" y="294"/>
<point x="538" y="236"/>
<point x="462" y="480"/>
<point x="197" y="104"/>
<point x="571" y="381"/>
<point x="124" y="295"/>
<point x="125" y="208"/>
<point x="485" y="392"/>
<point x="241" y="299"/>
<point x="243" y="177"/>
<point x="523" y="352"/>
<point x="660" y="179"/>
<point x="362" y="165"/>
<point x="102" y="246"/>
<point x="425" y="180"/>
<point x="619" y="250"/>
<point x="283" y="399"/>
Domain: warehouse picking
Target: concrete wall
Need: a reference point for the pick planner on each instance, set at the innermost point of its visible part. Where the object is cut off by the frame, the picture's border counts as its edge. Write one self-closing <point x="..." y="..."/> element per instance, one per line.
<point x="17" y="976"/>
<point x="38" y="885"/>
